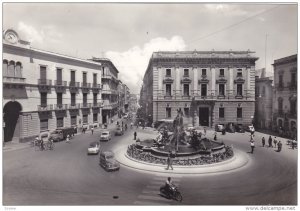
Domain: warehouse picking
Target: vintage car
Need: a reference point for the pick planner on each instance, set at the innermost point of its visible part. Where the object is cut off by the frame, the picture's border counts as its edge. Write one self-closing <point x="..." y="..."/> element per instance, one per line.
<point x="108" y="162"/>
<point x="94" y="148"/>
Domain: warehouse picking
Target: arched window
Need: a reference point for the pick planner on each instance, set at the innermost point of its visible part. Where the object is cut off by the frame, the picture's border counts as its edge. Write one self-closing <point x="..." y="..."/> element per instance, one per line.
<point x="11" y="69"/>
<point x="18" y="70"/>
<point x="4" y="67"/>
<point x="280" y="105"/>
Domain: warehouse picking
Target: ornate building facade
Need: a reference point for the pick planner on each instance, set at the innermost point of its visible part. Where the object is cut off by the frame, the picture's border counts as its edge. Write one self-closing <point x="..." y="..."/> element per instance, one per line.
<point x="44" y="90"/>
<point x="285" y="96"/>
<point x="210" y="87"/>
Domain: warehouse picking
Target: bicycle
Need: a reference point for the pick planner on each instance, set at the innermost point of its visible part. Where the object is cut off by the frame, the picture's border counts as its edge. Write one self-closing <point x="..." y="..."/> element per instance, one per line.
<point x="50" y="145"/>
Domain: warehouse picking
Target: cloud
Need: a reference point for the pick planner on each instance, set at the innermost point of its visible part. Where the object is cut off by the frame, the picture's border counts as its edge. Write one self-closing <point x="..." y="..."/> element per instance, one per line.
<point x="47" y="32"/>
<point x="132" y="63"/>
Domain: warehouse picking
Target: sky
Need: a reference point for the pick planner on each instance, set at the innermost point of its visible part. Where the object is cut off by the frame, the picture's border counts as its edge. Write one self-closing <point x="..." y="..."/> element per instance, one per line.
<point x="128" y="34"/>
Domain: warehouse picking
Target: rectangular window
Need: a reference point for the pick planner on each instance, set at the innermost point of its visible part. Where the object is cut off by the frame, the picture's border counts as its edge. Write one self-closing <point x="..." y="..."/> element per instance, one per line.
<point x="221" y="112"/>
<point x="186" y="112"/>
<point x="221" y="89"/>
<point x="95" y="98"/>
<point x="186" y="90"/>
<point x="280" y="84"/>
<point x="43" y="72"/>
<point x="73" y="99"/>
<point x="239" y="73"/>
<point x="168" y="112"/>
<point x="221" y="72"/>
<point x="43" y="124"/>
<point x="239" y="89"/>
<point x="168" y="89"/>
<point x="84" y="78"/>
<point x="43" y="99"/>
<point x="293" y="79"/>
<point x="60" y="122"/>
<point x="186" y="72"/>
<point x="168" y="72"/>
<point x="95" y="117"/>
<point x="203" y="71"/>
<point x="84" y="98"/>
<point x="239" y="113"/>
<point x="203" y="90"/>
<point x="72" y="76"/>
<point x="73" y="120"/>
<point x="58" y="76"/>
<point x="85" y="119"/>
<point x="59" y="99"/>
<point x="95" y="78"/>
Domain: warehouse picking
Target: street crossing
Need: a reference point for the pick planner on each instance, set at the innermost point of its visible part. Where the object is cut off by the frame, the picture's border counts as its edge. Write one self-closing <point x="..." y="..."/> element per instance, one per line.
<point x="150" y="195"/>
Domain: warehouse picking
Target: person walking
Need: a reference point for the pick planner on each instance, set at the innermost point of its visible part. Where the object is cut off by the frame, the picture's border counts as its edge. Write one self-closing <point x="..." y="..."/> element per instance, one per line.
<point x="279" y="146"/>
<point x="204" y="131"/>
<point x="252" y="146"/>
<point x="275" y="142"/>
<point x="263" y="141"/>
<point x="294" y="143"/>
<point x="169" y="161"/>
<point x="215" y="136"/>
<point x="68" y="139"/>
<point x="92" y="129"/>
<point x="134" y="135"/>
<point x="270" y="142"/>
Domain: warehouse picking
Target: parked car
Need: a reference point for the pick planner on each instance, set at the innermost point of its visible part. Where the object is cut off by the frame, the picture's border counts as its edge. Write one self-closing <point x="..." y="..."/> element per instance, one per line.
<point x="119" y="131"/>
<point x="108" y="161"/>
<point x="220" y="128"/>
<point x="125" y="116"/>
<point x="230" y="127"/>
<point x="94" y="148"/>
<point x="105" y="136"/>
<point x="250" y="129"/>
<point x="239" y="129"/>
<point x="61" y="133"/>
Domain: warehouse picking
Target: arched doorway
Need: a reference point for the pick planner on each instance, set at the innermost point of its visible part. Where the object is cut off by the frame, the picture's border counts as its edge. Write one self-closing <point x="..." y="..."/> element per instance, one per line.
<point x="11" y="112"/>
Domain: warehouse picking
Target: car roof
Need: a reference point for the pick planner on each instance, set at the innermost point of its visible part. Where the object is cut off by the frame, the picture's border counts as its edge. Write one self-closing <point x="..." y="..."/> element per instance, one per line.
<point x="105" y="131"/>
<point x="94" y="142"/>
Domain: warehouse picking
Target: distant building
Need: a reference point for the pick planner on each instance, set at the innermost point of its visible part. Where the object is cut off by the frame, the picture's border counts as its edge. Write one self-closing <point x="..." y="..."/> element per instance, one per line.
<point x="43" y="90"/>
<point x="210" y="87"/>
<point x="110" y="92"/>
<point x="263" y="100"/>
<point x="285" y="96"/>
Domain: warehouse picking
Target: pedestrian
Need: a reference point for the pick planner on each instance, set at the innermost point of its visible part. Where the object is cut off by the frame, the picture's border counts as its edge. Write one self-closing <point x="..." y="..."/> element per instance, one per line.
<point x="134" y="135"/>
<point x="131" y="125"/>
<point x="252" y="146"/>
<point x="215" y="137"/>
<point x="275" y="142"/>
<point x="270" y="142"/>
<point x="169" y="161"/>
<point x="92" y="129"/>
<point x="279" y="145"/>
<point x="68" y="139"/>
<point x="204" y="131"/>
<point x="263" y="141"/>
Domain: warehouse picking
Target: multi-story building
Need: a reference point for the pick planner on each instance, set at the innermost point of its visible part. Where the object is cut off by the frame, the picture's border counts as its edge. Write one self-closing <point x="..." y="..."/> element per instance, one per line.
<point x="110" y="93"/>
<point x="263" y="100"/>
<point x="44" y="90"/>
<point x="126" y="98"/>
<point x="210" y="87"/>
<point x="121" y="98"/>
<point x="285" y="96"/>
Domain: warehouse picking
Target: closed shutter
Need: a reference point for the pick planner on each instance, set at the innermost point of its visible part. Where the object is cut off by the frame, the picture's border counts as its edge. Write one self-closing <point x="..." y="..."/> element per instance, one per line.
<point x="43" y="75"/>
<point x="59" y="76"/>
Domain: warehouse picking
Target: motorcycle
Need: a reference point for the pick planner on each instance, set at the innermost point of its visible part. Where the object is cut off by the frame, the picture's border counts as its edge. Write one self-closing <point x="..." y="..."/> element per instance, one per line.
<point x="172" y="193"/>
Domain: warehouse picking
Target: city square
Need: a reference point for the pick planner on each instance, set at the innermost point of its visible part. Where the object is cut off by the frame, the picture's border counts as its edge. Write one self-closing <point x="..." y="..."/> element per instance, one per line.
<point x="176" y="124"/>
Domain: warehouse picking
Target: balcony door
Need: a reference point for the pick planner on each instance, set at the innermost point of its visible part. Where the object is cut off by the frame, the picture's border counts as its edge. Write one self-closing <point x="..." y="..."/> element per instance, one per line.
<point x="43" y="74"/>
<point x="59" y="76"/>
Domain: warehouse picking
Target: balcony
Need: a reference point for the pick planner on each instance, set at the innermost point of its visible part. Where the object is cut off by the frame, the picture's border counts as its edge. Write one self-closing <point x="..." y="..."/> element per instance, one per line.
<point x="74" y="86"/>
<point x="60" y="107"/>
<point x="86" y="105"/>
<point x="97" y="105"/>
<point x="96" y="87"/>
<point x="221" y="96"/>
<point x="106" y="91"/>
<point x="85" y="87"/>
<point x="14" y="80"/>
<point x="41" y="108"/>
<point x="44" y="85"/>
<point x="74" y="106"/>
<point x="109" y="105"/>
<point x="238" y="96"/>
<point x="60" y="86"/>
<point x="108" y="77"/>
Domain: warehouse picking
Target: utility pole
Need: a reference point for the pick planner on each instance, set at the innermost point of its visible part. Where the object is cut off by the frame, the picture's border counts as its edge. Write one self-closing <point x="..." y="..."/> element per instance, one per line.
<point x="266" y="52"/>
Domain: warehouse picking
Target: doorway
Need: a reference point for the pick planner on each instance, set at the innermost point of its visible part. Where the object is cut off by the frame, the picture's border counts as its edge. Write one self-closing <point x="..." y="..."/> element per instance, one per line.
<point x="11" y="113"/>
<point x="204" y="116"/>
